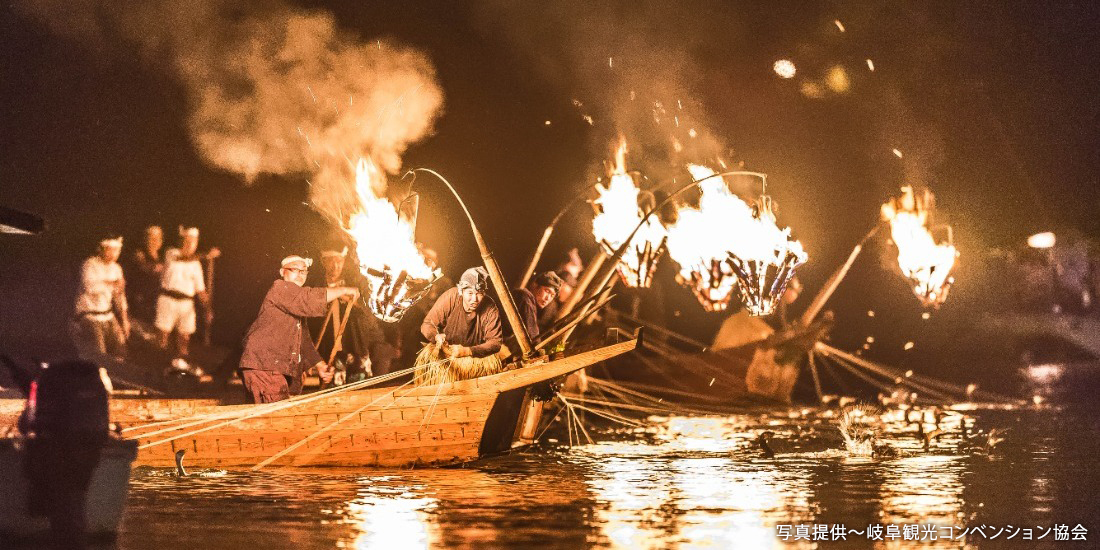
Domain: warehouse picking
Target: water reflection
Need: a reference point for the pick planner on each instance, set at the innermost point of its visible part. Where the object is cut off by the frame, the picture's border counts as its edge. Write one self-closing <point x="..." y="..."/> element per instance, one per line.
<point x="689" y="482"/>
<point x="692" y="490"/>
<point x="392" y="516"/>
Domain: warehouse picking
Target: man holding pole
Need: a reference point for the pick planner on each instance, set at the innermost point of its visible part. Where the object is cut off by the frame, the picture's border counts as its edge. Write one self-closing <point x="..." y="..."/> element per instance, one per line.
<point x="277" y="347"/>
<point x="350" y="335"/>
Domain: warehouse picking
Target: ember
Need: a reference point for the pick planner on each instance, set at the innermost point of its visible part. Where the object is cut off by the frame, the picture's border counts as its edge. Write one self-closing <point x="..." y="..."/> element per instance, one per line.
<point x="926" y="263"/>
<point x="397" y="273"/>
<point x="618" y="214"/>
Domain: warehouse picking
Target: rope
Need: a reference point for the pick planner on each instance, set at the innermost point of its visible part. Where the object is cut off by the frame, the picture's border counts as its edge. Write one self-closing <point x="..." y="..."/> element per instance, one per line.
<point x="268" y="408"/>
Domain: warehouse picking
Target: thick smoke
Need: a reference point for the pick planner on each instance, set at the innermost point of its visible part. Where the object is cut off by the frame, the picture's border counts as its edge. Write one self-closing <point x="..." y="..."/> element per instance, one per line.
<point x="270" y="89"/>
<point x="631" y="65"/>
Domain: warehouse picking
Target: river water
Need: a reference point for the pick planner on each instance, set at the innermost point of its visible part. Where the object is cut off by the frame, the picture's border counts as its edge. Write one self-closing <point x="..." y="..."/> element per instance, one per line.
<point x="671" y="481"/>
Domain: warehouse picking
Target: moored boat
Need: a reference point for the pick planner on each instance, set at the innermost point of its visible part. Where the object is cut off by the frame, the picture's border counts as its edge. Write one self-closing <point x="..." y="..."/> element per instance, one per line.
<point x="104" y="499"/>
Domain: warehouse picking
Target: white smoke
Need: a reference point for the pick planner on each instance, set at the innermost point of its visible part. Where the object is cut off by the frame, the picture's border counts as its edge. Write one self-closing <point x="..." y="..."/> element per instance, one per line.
<point x="270" y="89"/>
<point x="632" y="66"/>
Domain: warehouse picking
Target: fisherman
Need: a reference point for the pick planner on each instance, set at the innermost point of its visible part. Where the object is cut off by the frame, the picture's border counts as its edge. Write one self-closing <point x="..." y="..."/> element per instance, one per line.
<point x="360" y="348"/>
<point x="277" y="347"/>
<point x="531" y="301"/>
<point x="462" y="321"/>
<point x="569" y="272"/>
<point x="181" y="282"/>
<point x="101" y="323"/>
<point x="148" y="268"/>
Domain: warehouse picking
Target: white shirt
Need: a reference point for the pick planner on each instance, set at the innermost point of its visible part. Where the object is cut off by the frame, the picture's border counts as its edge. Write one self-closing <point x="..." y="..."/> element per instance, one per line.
<point x="184" y="276"/>
<point x="98" y="282"/>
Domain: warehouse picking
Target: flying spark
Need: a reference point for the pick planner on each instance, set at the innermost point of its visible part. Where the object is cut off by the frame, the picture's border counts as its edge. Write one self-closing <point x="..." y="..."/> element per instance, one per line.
<point x="897" y="153"/>
<point x="839" y="25"/>
<point x="870" y="65"/>
<point x="311" y="94"/>
<point x="909" y="346"/>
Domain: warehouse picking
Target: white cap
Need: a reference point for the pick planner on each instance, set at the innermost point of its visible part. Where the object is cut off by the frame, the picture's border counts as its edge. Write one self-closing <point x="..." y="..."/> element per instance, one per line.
<point x="334" y="253"/>
<point x="291" y="259"/>
<point x="115" y="242"/>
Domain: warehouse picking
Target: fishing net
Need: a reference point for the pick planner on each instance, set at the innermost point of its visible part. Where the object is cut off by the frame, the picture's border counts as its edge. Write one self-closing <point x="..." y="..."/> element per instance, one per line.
<point x="432" y="367"/>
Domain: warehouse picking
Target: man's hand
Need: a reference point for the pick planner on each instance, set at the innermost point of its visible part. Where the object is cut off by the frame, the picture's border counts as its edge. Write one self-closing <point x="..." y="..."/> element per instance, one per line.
<point x="350" y="294"/>
<point x="461" y="351"/>
<point x="324" y="371"/>
<point x="440" y="340"/>
<point x="214" y="253"/>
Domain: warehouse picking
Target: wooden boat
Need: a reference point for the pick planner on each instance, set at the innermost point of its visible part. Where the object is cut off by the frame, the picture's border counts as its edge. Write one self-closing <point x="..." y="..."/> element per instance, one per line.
<point x="748" y="362"/>
<point x="392" y="427"/>
<point x="105" y="498"/>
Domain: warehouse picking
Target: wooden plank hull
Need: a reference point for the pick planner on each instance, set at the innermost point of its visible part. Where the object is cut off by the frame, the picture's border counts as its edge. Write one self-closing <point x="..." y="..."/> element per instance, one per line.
<point x="389" y="427"/>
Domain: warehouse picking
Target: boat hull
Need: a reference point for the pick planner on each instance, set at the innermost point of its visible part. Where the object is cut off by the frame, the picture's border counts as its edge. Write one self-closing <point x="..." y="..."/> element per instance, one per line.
<point x="390" y="427"/>
<point x="105" y="499"/>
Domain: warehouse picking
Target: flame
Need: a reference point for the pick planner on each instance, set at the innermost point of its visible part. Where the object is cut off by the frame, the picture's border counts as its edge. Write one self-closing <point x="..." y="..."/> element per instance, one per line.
<point x="385" y="245"/>
<point x="618" y="215"/>
<point x="704" y="238"/>
<point x="926" y="263"/>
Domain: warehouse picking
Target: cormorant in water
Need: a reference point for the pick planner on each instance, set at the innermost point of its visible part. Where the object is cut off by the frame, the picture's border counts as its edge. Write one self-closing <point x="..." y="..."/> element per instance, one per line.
<point x="179" y="463"/>
<point x="763" y="440"/>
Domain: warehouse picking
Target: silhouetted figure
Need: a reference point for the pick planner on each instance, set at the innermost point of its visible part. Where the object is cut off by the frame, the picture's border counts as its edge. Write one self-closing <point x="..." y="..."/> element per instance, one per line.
<point x="66" y="423"/>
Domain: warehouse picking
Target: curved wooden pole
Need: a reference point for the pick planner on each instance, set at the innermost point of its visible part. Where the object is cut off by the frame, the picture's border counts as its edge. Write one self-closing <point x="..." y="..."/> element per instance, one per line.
<point x="503" y="292"/>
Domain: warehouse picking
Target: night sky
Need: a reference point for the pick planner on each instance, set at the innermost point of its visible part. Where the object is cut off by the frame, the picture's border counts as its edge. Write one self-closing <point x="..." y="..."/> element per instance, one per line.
<point x="993" y="105"/>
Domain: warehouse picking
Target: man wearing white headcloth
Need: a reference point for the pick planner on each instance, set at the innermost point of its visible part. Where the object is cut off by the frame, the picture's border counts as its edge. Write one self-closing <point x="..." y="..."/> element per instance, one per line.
<point x="182" y="282"/>
<point x="277" y="347"/>
<point x="101" y="321"/>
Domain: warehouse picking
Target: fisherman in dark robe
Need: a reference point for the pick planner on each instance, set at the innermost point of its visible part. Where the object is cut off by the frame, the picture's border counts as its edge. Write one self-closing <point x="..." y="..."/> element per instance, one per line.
<point x="362" y="349"/>
<point x="569" y="273"/>
<point x="463" y="319"/>
<point x="277" y="347"/>
<point x="531" y="301"/>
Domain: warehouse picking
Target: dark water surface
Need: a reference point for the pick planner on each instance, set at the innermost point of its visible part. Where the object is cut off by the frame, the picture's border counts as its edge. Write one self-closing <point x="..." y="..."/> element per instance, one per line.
<point x="673" y="482"/>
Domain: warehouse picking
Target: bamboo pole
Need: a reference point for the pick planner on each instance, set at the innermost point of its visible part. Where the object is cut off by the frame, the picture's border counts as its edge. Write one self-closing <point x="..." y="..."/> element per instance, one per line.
<point x="542" y="243"/>
<point x="504" y="294"/>
<point x="583" y="282"/>
<point x="834" y="281"/>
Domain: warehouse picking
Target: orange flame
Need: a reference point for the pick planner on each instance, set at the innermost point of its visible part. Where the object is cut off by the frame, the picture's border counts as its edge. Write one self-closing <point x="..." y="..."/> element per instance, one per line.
<point x="703" y="238"/>
<point x="926" y="263"/>
<point x="385" y="244"/>
<point x="619" y="213"/>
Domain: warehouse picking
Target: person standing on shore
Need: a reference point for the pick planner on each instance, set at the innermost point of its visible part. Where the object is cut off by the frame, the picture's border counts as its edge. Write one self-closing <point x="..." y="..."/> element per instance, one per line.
<point x="181" y="283"/>
<point x="101" y="323"/>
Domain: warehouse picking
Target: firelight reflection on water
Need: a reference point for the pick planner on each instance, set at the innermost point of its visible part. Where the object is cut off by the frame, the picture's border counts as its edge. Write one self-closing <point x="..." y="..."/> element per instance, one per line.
<point x="689" y="482"/>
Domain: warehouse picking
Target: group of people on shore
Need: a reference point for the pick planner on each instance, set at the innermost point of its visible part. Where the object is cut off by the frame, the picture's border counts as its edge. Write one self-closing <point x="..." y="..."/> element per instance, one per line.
<point x="159" y="302"/>
<point x="345" y="343"/>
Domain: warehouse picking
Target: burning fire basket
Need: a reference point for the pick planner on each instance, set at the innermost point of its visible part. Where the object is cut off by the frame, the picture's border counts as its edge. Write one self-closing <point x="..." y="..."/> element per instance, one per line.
<point x="925" y="261"/>
<point x="713" y="286"/>
<point x="391" y="296"/>
<point x="762" y="279"/>
<point x="640" y="261"/>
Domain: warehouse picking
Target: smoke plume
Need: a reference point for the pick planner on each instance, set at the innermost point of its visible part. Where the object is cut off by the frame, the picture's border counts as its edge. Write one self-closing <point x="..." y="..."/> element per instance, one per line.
<point x="270" y="89"/>
<point x="632" y="65"/>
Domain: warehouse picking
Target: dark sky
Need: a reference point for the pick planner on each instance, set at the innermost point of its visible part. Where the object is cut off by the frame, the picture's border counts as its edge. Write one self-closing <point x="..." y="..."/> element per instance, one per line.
<point x="993" y="103"/>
